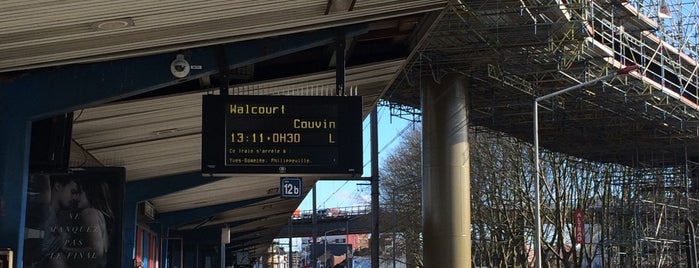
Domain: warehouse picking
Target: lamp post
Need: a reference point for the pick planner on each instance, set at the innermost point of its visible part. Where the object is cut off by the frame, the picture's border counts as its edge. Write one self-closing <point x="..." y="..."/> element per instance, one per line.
<point x="537" y="168"/>
<point x="325" y="241"/>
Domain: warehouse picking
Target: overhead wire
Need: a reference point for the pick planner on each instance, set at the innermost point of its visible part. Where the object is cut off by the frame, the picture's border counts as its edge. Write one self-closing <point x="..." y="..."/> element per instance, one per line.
<point x="393" y="139"/>
<point x="398" y="135"/>
<point x="333" y="194"/>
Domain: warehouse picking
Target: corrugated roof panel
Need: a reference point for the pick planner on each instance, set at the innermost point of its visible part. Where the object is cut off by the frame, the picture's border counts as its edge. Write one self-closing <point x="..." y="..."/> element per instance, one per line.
<point x="152" y="155"/>
<point x="356" y="76"/>
<point x="276" y="215"/>
<point x="67" y="33"/>
<point x="217" y="193"/>
<point x="134" y="128"/>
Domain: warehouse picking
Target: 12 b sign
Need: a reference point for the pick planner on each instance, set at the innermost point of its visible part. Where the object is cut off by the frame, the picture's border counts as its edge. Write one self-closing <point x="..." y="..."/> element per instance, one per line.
<point x="290" y="187"/>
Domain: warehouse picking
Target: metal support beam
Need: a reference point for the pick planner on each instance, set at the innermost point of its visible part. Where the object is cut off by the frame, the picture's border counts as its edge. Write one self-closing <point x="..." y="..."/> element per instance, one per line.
<point x="129" y="236"/>
<point x="14" y="171"/>
<point x="314" y="222"/>
<point x="345" y="179"/>
<point x="223" y="71"/>
<point x="222" y="251"/>
<point x="164" y="245"/>
<point x="142" y="190"/>
<point x="291" y="242"/>
<point x="51" y="91"/>
<point x="375" y="210"/>
<point x="340" y="63"/>
<point x="691" y="247"/>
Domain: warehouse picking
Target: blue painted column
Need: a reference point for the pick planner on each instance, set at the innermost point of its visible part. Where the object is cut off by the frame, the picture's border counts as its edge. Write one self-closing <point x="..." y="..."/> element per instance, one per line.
<point x="129" y="236"/>
<point x="164" y="244"/>
<point x="15" y="136"/>
<point x="446" y="196"/>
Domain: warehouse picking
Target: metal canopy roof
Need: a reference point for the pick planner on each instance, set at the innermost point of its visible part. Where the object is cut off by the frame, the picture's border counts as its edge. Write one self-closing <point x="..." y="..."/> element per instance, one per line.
<point x="511" y="50"/>
<point x="158" y="135"/>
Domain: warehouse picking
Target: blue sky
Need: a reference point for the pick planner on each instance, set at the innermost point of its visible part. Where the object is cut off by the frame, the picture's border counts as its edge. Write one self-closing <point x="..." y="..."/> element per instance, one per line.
<point x="333" y="194"/>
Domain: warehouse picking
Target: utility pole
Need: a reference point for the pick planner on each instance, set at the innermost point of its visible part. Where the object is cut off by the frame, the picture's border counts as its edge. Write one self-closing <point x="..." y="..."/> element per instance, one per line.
<point x="314" y="252"/>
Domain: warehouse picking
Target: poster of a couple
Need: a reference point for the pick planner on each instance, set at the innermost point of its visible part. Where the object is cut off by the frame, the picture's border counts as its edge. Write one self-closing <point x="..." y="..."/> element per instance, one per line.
<point x="74" y="219"/>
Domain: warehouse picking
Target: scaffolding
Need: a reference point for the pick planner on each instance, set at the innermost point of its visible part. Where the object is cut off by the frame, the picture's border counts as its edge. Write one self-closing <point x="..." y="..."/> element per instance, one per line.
<point x="648" y="217"/>
<point x="512" y="51"/>
<point x="676" y="20"/>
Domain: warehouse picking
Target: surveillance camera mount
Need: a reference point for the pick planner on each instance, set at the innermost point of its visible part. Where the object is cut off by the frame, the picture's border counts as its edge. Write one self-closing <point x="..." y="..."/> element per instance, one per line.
<point x="180" y="67"/>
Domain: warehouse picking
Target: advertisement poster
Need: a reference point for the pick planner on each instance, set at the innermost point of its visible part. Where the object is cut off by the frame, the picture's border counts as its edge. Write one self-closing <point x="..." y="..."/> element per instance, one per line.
<point x="74" y="220"/>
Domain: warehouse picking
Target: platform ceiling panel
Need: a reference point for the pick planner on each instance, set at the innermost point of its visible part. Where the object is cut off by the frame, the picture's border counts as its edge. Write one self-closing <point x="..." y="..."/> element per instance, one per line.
<point x="49" y="33"/>
<point x="244" y="187"/>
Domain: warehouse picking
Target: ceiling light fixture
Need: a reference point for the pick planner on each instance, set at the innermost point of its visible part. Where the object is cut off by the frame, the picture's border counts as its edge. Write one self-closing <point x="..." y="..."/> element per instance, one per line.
<point x="166" y="131"/>
<point x="113" y="24"/>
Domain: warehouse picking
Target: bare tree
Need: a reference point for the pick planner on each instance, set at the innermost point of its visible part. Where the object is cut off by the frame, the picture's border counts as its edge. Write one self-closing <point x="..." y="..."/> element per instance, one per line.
<point x="503" y="204"/>
<point x="501" y="201"/>
<point x="401" y="197"/>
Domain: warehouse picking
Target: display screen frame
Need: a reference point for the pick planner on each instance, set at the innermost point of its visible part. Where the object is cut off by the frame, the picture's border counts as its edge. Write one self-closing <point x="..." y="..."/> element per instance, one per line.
<point x="263" y="134"/>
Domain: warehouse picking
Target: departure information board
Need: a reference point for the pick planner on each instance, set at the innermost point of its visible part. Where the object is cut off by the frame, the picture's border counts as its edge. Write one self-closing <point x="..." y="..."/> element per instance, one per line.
<point x="282" y="134"/>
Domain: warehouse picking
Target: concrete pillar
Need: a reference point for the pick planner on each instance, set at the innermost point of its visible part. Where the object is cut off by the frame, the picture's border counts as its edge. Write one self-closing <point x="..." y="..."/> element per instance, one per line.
<point x="15" y="136"/>
<point x="446" y="199"/>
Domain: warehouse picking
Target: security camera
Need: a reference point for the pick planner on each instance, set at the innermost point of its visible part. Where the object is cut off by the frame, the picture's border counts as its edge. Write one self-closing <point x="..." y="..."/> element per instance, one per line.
<point x="180" y="67"/>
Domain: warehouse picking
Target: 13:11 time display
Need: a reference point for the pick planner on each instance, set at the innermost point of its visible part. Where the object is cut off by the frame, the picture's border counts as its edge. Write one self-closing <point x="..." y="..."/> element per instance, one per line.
<point x="261" y="137"/>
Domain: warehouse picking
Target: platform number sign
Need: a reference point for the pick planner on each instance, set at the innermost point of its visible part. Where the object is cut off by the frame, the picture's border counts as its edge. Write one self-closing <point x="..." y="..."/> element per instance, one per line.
<point x="291" y="187"/>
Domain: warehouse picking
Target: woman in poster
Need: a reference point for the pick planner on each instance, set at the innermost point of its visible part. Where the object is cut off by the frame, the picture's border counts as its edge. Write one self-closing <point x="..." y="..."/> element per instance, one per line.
<point x="96" y="218"/>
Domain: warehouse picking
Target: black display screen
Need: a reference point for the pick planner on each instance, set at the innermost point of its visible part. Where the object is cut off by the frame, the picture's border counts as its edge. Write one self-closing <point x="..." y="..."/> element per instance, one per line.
<point x="282" y="134"/>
